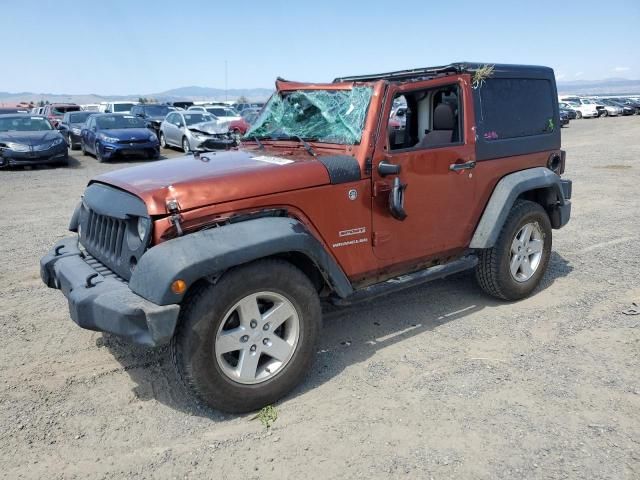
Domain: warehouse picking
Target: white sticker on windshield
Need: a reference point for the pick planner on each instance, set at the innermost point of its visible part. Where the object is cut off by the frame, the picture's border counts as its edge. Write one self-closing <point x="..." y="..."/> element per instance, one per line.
<point x="274" y="160"/>
<point x="351" y="107"/>
<point x="129" y="116"/>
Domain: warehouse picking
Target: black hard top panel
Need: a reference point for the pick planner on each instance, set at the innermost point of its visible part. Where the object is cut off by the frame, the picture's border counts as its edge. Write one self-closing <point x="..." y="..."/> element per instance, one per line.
<point x="499" y="70"/>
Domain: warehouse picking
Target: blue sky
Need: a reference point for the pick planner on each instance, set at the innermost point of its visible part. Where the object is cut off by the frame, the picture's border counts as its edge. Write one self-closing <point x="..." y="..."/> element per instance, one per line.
<point x="138" y="47"/>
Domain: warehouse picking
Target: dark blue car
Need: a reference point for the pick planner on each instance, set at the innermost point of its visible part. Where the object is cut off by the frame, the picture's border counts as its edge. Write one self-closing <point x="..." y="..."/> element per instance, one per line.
<point x="112" y="135"/>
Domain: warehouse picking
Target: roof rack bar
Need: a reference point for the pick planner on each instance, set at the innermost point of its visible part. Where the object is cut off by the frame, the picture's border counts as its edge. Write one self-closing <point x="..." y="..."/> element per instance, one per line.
<point x="404" y="74"/>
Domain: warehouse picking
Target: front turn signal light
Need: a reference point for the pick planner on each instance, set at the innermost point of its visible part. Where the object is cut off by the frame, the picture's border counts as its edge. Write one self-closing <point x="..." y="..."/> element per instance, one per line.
<point x="179" y="287"/>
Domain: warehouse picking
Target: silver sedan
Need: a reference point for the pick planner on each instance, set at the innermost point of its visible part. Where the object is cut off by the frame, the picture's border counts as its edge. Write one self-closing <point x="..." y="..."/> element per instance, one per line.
<point x="189" y="130"/>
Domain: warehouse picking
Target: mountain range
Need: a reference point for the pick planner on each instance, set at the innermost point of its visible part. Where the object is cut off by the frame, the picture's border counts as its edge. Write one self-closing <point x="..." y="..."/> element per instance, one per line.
<point x="193" y="93"/>
<point x="602" y="87"/>
<point x="197" y="93"/>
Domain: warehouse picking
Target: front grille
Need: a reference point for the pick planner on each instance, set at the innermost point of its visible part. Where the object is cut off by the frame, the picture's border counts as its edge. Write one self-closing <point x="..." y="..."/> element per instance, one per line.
<point x="100" y="267"/>
<point x="104" y="235"/>
<point x="137" y="140"/>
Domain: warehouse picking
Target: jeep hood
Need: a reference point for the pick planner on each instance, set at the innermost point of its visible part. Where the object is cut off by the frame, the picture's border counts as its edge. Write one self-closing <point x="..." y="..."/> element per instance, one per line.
<point x="216" y="177"/>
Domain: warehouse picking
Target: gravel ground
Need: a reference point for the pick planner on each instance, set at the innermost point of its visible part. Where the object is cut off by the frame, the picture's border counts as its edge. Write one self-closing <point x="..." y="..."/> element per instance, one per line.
<point x="439" y="381"/>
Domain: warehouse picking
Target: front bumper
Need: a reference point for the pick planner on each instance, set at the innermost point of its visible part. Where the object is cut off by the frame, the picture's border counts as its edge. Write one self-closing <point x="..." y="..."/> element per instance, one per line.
<point x="102" y="302"/>
<point x="75" y="138"/>
<point x="110" y="150"/>
<point x="53" y="155"/>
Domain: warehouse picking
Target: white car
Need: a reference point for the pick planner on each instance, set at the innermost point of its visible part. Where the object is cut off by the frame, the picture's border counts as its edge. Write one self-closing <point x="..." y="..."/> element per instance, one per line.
<point x="223" y="114"/>
<point x="190" y="130"/>
<point x="118" y="107"/>
<point x="584" y="107"/>
<point x="91" y="107"/>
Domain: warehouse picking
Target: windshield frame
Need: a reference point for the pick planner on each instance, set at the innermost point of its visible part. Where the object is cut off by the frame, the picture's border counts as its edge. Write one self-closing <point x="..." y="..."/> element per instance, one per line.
<point x="117" y="106"/>
<point x="197" y="112"/>
<point x="119" y="127"/>
<point x="26" y="117"/>
<point x="146" y="108"/>
<point x="81" y="112"/>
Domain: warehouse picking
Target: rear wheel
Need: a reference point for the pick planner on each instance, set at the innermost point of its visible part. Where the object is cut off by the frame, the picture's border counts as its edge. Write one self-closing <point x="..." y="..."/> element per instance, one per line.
<point x="604" y="113"/>
<point x="514" y="266"/>
<point x="246" y="341"/>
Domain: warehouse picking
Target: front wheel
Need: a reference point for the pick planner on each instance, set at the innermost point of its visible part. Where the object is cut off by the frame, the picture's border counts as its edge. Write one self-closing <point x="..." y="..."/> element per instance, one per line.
<point x="185" y="145"/>
<point x="163" y="140"/>
<point x="99" y="156"/>
<point x="248" y="340"/>
<point x="578" y="114"/>
<point x="514" y="266"/>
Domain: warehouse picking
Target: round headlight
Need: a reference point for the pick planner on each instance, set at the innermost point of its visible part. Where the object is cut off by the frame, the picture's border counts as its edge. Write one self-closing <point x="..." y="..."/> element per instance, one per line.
<point x="143" y="227"/>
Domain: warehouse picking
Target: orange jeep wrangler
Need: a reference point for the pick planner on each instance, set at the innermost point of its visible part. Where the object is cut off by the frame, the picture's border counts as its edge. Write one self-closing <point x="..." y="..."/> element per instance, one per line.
<point x="227" y="254"/>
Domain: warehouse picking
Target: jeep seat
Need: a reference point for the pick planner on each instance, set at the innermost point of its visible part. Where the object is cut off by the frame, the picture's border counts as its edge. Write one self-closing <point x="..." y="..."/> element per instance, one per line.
<point x="443" y="126"/>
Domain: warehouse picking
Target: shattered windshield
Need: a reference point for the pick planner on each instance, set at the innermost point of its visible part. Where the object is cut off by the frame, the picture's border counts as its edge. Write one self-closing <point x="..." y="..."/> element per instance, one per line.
<point x="331" y="116"/>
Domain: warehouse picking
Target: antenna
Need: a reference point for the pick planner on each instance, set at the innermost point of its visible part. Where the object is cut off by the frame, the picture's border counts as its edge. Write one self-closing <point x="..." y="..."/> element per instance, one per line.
<point x="225" y="81"/>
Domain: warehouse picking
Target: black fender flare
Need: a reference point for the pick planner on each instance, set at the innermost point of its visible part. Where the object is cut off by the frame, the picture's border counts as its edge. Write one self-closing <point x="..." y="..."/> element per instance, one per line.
<point x="210" y="252"/>
<point x="504" y="195"/>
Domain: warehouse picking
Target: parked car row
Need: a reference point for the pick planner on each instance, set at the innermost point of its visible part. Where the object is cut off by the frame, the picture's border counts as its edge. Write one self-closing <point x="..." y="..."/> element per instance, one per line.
<point x="593" y="107"/>
<point x="127" y="128"/>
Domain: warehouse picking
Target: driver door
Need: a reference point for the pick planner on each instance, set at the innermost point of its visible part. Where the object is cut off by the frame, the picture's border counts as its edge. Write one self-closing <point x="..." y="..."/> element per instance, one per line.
<point x="437" y="172"/>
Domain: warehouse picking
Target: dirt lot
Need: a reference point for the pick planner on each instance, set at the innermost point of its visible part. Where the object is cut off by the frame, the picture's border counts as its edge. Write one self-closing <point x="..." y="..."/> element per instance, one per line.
<point x="437" y="382"/>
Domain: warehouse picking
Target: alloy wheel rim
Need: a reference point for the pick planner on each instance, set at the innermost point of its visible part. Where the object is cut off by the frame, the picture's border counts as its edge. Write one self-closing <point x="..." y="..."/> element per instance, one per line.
<point x="185" y="145"/>
<point x="257" y="338"/>
<point x="526" y="252"/>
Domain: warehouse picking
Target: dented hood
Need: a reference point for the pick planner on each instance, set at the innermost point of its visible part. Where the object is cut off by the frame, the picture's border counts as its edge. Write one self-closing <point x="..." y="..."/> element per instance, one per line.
<point x="216" y="178"/>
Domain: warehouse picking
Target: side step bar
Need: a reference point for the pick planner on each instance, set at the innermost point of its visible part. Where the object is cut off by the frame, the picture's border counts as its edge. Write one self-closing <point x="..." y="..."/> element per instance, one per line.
<point x="406" y="281"/>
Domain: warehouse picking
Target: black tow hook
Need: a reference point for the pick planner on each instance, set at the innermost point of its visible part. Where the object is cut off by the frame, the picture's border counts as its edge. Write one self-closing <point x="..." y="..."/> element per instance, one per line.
<point x="89" y="283"/>
<point x="57" y="250"/>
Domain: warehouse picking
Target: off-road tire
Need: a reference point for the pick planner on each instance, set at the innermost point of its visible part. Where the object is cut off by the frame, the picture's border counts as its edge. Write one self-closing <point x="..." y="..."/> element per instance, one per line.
<point x="203" y="310"/>
<point x="493" y="273"/>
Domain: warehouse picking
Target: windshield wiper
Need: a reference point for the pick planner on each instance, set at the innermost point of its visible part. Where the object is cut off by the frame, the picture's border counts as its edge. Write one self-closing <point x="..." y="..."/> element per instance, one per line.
<point x="260" y="145"/>
<point x="307" y="147"/>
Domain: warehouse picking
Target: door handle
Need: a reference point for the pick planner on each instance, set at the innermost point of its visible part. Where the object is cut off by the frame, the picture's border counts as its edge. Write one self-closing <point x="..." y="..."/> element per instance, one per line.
<point x="457" y="167"/>
<point x="385" y="168"/>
